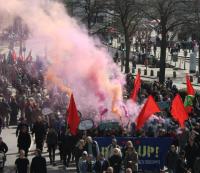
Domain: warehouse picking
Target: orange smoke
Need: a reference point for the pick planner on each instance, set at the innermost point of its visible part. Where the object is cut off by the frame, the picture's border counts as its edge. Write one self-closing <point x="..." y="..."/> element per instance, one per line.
<point x="58" y="82"/>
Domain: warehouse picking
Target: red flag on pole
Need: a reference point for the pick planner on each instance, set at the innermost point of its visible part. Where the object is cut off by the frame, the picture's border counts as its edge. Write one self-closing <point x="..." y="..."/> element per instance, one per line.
<point x="137" y="84"/>
<point x="178" y="111"/>
<point x="73" y="118"/>
<point x="190" y="89"/>
<point x="149" y="109"/>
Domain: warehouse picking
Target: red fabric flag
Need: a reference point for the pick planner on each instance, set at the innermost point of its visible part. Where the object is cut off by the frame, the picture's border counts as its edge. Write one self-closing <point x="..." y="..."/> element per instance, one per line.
<point x="73" y="119"/>
<point x="137" y="84"/>
<point x="190" y="89"/>
<point x="149" y="109"/>
<point x="14" y="56"/>
<point x="178" y="111"/>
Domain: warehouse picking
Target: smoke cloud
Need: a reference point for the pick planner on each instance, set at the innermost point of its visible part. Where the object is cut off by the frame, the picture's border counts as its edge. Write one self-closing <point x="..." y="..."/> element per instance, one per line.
<point x="78" y="64"/>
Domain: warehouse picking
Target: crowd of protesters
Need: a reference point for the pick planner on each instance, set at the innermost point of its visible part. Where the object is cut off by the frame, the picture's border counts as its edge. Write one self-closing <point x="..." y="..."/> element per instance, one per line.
<point x="23" y="98"/>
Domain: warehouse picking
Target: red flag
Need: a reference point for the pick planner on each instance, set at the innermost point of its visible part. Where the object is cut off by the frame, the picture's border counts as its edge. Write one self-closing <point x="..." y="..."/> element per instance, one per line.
<point x="14" y="56"/>
<point x="190" y="89"/>
<point x="73" y="119"/>
<point x="137" y="84"/>
<point x="149" y="109"/>
<point x="178" y="111"/>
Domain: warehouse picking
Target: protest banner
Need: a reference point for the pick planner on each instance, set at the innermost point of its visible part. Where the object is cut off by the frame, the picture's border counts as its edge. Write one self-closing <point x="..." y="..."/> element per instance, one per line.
<point x="151" y="151"/>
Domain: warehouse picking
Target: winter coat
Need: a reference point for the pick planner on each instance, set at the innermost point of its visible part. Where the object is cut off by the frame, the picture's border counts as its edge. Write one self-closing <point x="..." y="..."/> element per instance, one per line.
<point x="171" y="160"/>
<point x="131" y="161"/>
<point x="38" y="165"/>
<point x="24" y="141"/>
<point x="95" y="148"/>
<point x="116" y="162"/>
<point x="52" y="137"/>
<point x="39" y="129"/>
<point x="101" y="166"/>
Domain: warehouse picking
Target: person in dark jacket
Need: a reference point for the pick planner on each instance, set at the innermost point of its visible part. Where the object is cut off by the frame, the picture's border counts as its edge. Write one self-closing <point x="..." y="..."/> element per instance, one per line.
<point x="52" y="141"/>
<point x="39" y="129"/>
<point x="22" y="163"/>
<point x="68" y="147"/>
<point x="181" y="166"/>
<point x="14" y="111"/>
<point x="21" y="125"/>
<point x="116" y="161"/>
<point x="3" y="146"/>
<point x="171" y="159"/>
<point x="78" y="151"/>
<point x="192" y="151"/>
<point x="101" y="164"/>
<point x="38" y="164"/>
<point x="24" y="141"/>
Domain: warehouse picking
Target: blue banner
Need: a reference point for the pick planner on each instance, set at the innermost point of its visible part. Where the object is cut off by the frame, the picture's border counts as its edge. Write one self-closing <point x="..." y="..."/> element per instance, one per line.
<point x="152" y="151"/>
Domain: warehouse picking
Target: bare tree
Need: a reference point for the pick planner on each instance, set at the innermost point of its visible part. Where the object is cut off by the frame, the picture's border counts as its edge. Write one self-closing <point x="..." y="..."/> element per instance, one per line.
<point x="127" y="13"/>
<point x="169" y="15"/>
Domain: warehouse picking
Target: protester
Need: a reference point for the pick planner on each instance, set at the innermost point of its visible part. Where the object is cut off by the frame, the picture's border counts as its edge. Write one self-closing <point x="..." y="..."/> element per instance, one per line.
<point x="83" y="162"/>
<point x="22" y="163"/>
<point x="3" y="146"/>
<point x="23" y="124"/>
<point x="101" y="164"/>
<point x="131" y="159"/>
<point x="78" y="151"/>
<point x="92" y="147"/>
<point x="109" y="170"/>
<point x="171" y="159"/>
<point x="24" y="141"/>
<point x="52" y="141"/>
<point x="39" y="130"/>
<point x="181" y="164"/>
<point x="38" y="164"/>
<point x="111" y="148"/>
<point x="14" y="111"/>
<point x="116" y="161"/>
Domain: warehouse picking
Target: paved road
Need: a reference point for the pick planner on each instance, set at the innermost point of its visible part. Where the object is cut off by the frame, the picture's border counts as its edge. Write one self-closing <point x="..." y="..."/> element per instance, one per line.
<point x="9" y="137"/>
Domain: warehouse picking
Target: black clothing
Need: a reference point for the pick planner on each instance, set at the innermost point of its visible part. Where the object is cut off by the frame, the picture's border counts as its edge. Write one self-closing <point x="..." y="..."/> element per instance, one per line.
<point x="22" y="165"/>
<point x="24" y="142"/>
<point x="52" y="141"/>
<point x="78" y="153"/>
<point x="171" y="160"/>
<point x="20" y="127"/>
<point x="191" y="152"/>
<point x="116" y="161"/>
<point x="68" y="147"/>
<point x="101" y="166"/>
<point x="38" y="165"/>
<point x="39" y="129"/>
<point x="181" y="166"/>
<point x="14" y="112"/>
<point x="3" y="147"/>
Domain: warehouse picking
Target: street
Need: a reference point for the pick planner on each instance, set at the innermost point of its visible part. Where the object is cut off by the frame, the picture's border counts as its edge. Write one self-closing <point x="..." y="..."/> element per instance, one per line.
<point x="10" y="139"/>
